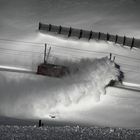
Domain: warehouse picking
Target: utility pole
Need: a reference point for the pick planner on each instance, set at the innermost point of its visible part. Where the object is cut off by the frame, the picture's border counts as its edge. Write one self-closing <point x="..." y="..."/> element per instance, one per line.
<point x="45" y="53"/>
<point x="110" y="56"/>
<point x="99" y="35"/>
<point x="50" y="27"/>
<point x="70" y="30"/>
<point x="90" y="35"/>
<point x="39" y="123"/>
<point x="80" y="34"/>
<point x="114" y="59"/>
<point x="59" y="30"/>
<point x="124" y="40"/>
<point x="116" y="39"/>
<point x="132" y="43"/>
<point x="48" y="55"/>
<point x="107" y="36"/>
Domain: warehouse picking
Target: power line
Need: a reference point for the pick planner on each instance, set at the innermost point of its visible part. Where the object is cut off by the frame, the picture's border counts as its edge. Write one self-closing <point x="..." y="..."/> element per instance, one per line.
<point x="126" y="70"/>
<point x="126" y="56"/>
<point x="20" y="51"/>
<point x="81" y="51"/>
<point x="19" y="41"/>
<point x="14" y="53"/>
<point x="28" y="42"/>
<point x="17" y="52"/>
<point x="39" y="53"/>
<point x="128" y="65"/>
<point x="64" y="50"/>
<point x="56" y="54"/>
<point x="20" y="45"/>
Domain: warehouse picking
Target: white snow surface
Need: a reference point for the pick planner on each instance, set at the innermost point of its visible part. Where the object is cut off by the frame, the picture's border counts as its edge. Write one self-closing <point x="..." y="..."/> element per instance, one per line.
<point x="19" y="21"/>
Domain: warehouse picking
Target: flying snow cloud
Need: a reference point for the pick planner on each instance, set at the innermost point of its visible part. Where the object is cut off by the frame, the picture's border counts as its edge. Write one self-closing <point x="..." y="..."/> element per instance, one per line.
<point x="29" y="96"/>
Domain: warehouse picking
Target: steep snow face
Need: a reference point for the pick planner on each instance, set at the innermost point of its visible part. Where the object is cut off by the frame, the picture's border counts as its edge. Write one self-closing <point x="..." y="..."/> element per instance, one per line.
<point x="39" y="97"/>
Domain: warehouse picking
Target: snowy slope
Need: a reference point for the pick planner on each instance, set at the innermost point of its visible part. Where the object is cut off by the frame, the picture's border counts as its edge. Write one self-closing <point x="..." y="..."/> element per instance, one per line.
<point x="19" y="21"/>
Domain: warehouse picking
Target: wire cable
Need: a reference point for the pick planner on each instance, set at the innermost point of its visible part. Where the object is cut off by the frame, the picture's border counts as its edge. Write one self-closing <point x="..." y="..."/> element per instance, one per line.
<point x="28" y="42"/>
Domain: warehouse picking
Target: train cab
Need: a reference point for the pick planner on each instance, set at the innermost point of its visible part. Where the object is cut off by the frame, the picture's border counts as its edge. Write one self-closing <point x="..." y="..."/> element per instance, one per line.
<point x="51" y="70"/>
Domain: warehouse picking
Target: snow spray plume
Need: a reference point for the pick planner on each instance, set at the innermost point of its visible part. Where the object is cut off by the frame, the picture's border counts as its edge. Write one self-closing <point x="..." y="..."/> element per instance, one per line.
<point x="39" y="96"/>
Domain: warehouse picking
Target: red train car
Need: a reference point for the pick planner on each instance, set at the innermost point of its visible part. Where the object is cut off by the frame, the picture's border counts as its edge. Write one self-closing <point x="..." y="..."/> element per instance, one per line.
<point x="52" y="70"/>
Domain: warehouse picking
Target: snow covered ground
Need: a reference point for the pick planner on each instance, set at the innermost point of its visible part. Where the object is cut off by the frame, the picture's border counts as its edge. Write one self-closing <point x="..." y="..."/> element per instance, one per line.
<point x="19" y="22"/>
<point x="17" y="96"/>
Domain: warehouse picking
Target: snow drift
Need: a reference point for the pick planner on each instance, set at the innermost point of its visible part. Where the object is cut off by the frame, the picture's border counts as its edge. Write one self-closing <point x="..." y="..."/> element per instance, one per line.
<point x="27" y="96"/>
